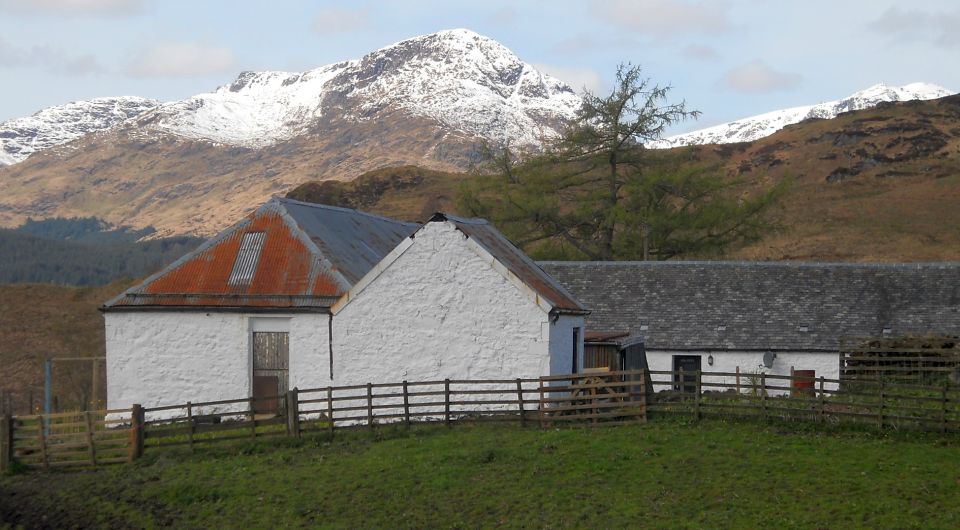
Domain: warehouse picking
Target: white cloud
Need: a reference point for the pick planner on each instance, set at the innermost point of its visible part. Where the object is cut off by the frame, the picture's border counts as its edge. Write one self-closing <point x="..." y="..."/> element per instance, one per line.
<point x="664" y="18"/>
<point x="49" y="58"/>
<point x="337" y="20"/>
<point x="73" y="7"/>
<point x="756" y="76"/>
<point x="181" y="59"/>
<point x="699" y="52"/>
<point x="941" y="28"/>
<point x="578" y="78"/>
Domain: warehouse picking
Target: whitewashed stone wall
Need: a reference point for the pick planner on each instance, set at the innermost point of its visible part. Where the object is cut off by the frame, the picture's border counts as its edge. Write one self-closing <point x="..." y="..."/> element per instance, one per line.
<point x="166" y="358"/>
<point x="440" y="311"/>
<point x="827" y="365"/>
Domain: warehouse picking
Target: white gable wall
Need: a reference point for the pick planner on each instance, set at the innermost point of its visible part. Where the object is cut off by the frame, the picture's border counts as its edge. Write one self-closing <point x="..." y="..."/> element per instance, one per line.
<point x="440" y="311"/>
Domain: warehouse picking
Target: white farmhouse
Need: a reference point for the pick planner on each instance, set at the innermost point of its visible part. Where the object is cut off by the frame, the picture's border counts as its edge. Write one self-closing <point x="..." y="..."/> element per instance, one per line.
<point x="305" y="295"/>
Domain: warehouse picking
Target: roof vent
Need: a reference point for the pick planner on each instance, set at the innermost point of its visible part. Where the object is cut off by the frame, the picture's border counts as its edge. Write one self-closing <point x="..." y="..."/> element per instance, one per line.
<point x="722" y="327"/>
<point x="803" y="328"/>
<point x="247" y="258"/>
<point x="887" y="330"/>
<point x="644" y="326"/>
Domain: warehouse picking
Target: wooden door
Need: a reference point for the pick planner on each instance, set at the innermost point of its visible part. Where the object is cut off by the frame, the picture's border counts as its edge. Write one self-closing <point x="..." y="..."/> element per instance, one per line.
<point x="271" y="359"/>
<point x="689" y="364"/>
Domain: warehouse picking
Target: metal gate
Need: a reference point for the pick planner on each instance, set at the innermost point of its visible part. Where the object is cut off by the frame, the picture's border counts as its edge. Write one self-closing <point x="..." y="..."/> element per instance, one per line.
<point x="271" y="358"/>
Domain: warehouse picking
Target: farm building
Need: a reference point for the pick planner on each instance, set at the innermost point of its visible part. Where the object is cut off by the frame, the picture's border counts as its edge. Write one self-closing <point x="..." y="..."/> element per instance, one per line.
<point x="305" y="295"/>
<point x="755" y="317"/>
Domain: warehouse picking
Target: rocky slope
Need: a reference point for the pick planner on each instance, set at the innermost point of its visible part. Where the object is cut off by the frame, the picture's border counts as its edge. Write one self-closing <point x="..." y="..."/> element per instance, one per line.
<point x="763" y="125"/>
<point x="21" y="137"/>
<point x="880" y="184"/>
<point x="194" y="166"/>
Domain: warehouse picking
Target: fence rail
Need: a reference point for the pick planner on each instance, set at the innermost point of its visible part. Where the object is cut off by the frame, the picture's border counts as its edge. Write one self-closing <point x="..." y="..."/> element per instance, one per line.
<point x="94" y="438"/>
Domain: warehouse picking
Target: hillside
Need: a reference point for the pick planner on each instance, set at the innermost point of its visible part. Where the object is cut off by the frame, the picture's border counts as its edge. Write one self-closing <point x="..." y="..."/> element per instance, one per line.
<point x="39" y="321"/>
<point x="873" y="185"/>
<point x="195" y="166"/>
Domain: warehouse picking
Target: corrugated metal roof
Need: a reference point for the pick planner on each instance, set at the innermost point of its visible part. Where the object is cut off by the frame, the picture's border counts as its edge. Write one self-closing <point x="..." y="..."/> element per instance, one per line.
<point x="310" y="255"/>
<point x="488" y="237"/>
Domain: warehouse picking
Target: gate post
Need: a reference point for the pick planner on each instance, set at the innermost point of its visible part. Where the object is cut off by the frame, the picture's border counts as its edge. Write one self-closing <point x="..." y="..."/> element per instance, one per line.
<point x="136" y="432"/>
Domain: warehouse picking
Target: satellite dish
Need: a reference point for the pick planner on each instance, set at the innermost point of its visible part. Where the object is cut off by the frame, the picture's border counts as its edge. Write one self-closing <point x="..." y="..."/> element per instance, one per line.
<point x="768" y="359"/>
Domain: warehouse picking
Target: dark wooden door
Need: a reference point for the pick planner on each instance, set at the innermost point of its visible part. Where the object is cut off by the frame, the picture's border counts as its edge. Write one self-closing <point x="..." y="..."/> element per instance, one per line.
<point x="271" y="361"/>
<point x="689" y="364"/>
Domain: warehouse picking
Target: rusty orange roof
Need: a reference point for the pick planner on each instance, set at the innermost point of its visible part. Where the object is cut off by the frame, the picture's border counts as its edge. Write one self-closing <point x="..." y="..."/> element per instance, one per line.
<point x="297" y="255"/>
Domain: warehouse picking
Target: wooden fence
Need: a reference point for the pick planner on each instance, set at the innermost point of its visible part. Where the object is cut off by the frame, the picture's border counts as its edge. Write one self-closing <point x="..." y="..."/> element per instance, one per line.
<point x="591" y="399"/>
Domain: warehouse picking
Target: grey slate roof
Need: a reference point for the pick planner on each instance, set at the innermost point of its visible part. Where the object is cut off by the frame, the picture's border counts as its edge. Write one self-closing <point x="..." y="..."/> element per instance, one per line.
<point x="762" y="305"/>
<point x="352" y="240"/>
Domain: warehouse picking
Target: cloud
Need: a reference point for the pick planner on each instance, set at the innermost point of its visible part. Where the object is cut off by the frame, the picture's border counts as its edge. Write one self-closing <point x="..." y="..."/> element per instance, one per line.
<point x="48" y="58"/>
<point x="337" y="20"/>
<point x="699" y="52"/>
<point x="72" y="7"/>
<point x="578" y="78"/>
<point x="663" y="18"/>
<point x="756" y="76"/>
<point x="941" y="28"/>
<point x="181" y="59"/>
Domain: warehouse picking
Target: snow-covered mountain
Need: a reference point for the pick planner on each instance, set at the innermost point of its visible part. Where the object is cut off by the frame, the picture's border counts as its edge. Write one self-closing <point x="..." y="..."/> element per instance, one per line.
<point x="464" y="81"/>
<point x="756" y="127"/>
<point x="21" y="137"/>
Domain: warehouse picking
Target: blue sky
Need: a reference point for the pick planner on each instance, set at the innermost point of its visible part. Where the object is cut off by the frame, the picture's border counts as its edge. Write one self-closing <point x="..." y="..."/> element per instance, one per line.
<point x="728" y="59"/>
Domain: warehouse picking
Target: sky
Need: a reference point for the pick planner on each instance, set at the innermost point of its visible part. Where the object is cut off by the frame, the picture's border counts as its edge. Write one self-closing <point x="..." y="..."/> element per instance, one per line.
<point x="726" y="58"/>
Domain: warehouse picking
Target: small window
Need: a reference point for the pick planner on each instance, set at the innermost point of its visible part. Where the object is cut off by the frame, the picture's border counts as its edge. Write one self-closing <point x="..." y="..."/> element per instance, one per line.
<point x="247" y="258"/>
<point x="644" y="326"/>
<point x="803" y="328"/>
<point x="887" y="330"/>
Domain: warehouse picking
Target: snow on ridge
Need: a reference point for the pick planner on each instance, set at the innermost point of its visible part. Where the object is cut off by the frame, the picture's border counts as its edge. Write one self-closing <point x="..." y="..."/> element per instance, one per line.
<point x="457" y="77"/>
<point x="762" y="125"/>
<point x="52" y="126"/>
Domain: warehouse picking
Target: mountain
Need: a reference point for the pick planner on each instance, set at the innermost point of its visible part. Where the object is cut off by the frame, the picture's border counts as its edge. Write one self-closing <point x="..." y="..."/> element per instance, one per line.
<point x="762" y="125"/>
<point x="196" y="165"/>
<point x="21" y="137"/>
<point x="879" y="184"/>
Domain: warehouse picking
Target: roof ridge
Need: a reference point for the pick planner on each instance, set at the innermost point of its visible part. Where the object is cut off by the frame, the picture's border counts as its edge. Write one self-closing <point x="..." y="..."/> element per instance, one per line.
<point x="458" y="219"/>
<point x="285" y="200"/>
<point x="796" y="264"/>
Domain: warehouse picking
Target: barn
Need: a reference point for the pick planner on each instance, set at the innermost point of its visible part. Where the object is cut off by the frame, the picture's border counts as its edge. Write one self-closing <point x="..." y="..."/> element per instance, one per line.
<point x="305" y="295"/>
<point x="761" y="317"/>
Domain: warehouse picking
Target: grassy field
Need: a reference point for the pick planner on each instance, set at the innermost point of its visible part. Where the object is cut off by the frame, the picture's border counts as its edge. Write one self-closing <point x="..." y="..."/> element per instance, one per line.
<point x="663" y="474"/>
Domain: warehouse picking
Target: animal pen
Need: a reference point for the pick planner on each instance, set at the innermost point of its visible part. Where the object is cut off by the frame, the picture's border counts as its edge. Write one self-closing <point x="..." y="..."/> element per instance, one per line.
<point x="94" y="438"/>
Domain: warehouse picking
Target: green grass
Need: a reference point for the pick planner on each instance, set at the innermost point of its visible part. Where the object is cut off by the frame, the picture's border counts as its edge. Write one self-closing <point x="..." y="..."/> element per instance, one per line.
<point x="665" y="473"/>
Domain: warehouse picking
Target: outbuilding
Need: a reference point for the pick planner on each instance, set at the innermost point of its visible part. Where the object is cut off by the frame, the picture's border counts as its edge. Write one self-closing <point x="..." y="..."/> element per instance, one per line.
<point x="306" y="295"/>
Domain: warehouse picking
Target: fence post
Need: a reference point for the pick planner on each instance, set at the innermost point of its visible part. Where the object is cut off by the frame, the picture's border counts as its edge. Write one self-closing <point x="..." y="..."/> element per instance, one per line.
<point x="293" y="413"/>
<point x="763" y="394"/>
<point x="542" y="412"/>
<point x="90" y="444"/>
<point x="42" y="438"/>
<point x="330" y="408"/>
<point x="6" y="442"/>
<point x="253" y="419"/>
<point x="738" y="382"/>
<point x="370" y="405"/>
<point x="137" y="425"/>
<point x="446" y="401"/>
<point x="643" y="394"/>
<point x="190" y="423"/>
<point x="523" y="416"/>
<point x="821" y="416"/>
<point x="406" y="404"/>
<point x="880" y="410"/>
<point x="696" y="399"/>
<point x="943" y="409"/>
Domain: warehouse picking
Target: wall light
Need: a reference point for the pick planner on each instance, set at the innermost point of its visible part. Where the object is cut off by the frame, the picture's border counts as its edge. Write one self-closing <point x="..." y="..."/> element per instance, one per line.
<point x="710" y="360"/>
